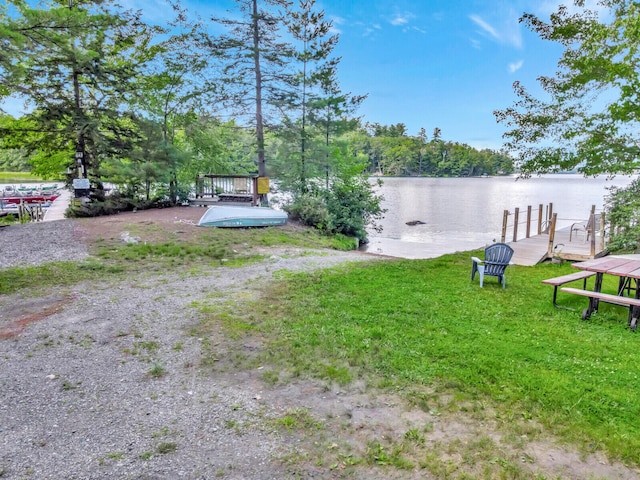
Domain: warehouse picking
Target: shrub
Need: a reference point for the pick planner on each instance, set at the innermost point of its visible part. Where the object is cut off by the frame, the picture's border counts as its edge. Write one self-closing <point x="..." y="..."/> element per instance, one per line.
<point x="353" y="206"/>
<point x="114" y="203"/>
<point x="309" y="209"/>
<point x="623" y="211"/>
<point x="347" y="208"/>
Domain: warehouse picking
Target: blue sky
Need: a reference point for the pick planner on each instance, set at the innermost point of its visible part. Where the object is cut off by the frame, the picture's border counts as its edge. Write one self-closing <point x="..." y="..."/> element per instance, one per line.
<point x="426" y="63"/>
<point x="432" y="63"/>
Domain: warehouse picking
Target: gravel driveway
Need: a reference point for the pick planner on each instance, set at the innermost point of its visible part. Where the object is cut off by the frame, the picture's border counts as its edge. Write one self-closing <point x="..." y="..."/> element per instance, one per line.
<point x="105" y="381"/>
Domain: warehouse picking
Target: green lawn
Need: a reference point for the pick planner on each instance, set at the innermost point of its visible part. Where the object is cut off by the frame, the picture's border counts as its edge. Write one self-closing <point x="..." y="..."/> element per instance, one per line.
<point x="17" y="177"/>
<point x="408" y="323"/>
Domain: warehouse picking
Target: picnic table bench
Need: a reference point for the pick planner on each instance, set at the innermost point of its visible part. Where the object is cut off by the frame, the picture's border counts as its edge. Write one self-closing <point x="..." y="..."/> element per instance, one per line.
<point x="608" y="298"/>
<point x="564" y="279"/>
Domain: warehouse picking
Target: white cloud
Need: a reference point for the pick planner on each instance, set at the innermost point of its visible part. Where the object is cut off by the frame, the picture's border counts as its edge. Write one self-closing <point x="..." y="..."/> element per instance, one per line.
<point x="335" y="24"/>
<point x="508" y="33"/>
<point x="515" y="66"/>
<point x="485" y="26"/>
<point x="475" y="43"/>
<point x="401" y="19"/>
<point x="370" y="30"/>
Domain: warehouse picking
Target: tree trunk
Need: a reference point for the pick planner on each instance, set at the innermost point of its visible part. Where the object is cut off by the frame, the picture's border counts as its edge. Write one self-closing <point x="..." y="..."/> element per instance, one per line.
<point x="262" y="165"/>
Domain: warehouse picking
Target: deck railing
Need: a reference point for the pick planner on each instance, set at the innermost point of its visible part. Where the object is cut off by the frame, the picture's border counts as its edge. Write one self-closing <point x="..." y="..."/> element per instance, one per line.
<point x="226" y="189"/>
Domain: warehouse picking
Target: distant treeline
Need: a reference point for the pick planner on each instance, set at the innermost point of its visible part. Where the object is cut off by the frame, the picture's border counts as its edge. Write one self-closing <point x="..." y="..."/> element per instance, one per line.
<point x="392" y="152"/>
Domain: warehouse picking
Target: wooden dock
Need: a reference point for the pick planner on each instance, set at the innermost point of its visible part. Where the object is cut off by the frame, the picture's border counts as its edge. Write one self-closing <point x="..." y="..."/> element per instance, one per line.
<point x="585" y="241"/>
<point x="535" y="249"/>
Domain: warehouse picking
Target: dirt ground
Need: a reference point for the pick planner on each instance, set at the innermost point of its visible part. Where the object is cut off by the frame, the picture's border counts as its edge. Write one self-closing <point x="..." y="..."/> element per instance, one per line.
<point x="364" y="430"/>
<point x="178" y="220"/>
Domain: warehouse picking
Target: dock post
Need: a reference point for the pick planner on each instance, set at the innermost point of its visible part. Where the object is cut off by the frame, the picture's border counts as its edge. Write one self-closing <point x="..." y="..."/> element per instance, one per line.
<point x="552" y="234"/>
<point x="515" y="224"/>
<point x="528" y="221"/>
<point x="505" y="219"/>
<point x="550" y="217"/>
<point x="539" y="219"/>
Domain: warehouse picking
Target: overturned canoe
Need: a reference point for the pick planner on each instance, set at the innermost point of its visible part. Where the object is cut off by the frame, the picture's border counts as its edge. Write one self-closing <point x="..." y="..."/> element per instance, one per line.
<point x="230" y="216"/>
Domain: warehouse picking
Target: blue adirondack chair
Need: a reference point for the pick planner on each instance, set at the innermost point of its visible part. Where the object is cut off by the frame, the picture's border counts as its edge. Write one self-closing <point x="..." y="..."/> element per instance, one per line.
<point x="497" y="258"/>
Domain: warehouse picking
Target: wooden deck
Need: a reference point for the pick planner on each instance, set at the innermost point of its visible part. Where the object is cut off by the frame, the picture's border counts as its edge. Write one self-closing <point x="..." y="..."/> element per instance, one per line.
<point x="534" y="250"/>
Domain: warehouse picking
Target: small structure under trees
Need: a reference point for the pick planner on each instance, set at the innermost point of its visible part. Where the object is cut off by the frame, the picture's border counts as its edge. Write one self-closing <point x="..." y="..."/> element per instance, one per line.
<point x="212" y="189"/>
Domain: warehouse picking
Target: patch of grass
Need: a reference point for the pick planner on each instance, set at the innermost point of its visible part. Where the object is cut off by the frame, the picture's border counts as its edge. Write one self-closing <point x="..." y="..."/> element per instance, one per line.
<point x="270" y="377"/>
<point x="157" y="370"/>
<point x="412" y="323"/>
<point x="166" y="447"/>
<point x="148" y="346"/>
<point x="414" y="436"/>
<point x="298" y="419"/>
<point x="9" y="219"/>
<point x="111" y="456"/>
<point x="392" y="455"/>
<point x="213" y="247"/>
<point x="54" y="274"/>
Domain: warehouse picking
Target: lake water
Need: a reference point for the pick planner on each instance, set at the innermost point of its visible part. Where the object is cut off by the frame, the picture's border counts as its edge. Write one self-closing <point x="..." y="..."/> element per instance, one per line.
<point x="462" y="214"/>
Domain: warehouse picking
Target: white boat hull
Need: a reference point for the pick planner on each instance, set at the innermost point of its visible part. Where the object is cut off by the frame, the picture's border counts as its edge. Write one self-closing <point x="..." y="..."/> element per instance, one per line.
<point x="241" y="217"/>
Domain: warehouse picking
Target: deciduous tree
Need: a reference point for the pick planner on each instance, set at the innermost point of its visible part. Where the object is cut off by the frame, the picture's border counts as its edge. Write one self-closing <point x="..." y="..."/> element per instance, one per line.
<point x="590" y="113"/>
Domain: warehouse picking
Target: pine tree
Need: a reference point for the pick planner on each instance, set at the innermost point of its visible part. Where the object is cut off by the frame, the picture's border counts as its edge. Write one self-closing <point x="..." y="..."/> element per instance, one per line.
<point x="75" y="63"/>
<point x="254" y="65"/>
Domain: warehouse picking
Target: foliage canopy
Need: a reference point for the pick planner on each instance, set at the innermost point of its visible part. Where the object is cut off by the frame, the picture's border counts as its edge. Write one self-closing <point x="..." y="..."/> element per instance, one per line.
<point x="591" y="115"/>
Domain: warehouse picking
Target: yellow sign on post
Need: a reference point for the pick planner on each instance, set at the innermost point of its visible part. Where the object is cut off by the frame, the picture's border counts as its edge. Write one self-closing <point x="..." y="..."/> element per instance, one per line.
<point x="263" y="185"/>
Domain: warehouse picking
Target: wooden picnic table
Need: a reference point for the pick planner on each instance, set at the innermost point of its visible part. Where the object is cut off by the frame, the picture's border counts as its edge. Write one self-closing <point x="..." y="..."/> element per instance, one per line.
<point x="627" y="270"/>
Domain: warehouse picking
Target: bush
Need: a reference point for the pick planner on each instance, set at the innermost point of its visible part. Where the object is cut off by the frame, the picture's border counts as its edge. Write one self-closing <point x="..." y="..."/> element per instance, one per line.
<point x="309" y="210"/>
<point x="114" y="203"/>
<point x="623" y="211"/>
<point x="347" y="208"/>
<point x="353" y="206"/>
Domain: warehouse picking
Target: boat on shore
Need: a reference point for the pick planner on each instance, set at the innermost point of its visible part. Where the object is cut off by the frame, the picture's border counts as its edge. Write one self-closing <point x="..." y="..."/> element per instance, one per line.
<point x="11" y="197"/>
<point x="240" y="217"/>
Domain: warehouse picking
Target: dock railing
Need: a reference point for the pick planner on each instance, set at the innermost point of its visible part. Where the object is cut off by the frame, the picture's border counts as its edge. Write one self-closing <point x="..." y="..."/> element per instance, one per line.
<point x="30" y="212"/>
<point x="544" y="222"/>
<point x="540" y="220"/>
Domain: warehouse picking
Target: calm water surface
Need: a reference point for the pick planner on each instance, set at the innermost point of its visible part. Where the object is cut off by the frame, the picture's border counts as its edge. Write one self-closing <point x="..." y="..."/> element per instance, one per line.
<point x="463" y="214"/>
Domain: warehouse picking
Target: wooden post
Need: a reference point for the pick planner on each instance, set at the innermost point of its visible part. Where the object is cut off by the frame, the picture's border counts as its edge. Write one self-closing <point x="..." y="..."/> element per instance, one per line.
<point x="591" y="226"/>
<point x="602" y="221"/>
<point x="552" y="234"/>
<point x="515" y="224"/>
<point x="505" y="219"/>
<point x="528" y="221"/>
<point x="254" y="191"/>
<point x="539" y="219"/>
<point x="550" y="217"/>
